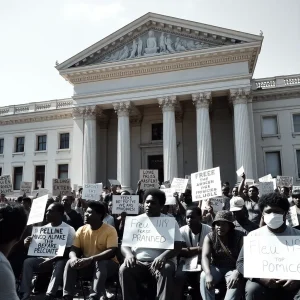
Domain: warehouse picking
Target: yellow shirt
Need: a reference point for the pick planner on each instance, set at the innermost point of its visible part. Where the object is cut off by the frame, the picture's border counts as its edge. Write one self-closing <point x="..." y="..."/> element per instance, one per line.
<point x="93" y="242"/>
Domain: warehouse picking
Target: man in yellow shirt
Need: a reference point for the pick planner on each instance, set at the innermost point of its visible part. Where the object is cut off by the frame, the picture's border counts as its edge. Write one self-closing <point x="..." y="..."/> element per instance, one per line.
<point x="92" y="254"/>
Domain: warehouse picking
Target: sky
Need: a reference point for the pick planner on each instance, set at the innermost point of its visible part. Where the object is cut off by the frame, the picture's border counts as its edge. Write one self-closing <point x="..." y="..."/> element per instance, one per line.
<point x="37" y="33"/>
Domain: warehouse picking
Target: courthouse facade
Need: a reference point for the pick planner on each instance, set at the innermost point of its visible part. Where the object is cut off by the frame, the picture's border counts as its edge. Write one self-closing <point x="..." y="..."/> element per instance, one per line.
<point x="160" y="93"/>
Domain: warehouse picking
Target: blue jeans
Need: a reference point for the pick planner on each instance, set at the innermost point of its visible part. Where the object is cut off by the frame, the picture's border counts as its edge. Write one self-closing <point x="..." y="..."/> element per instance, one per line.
<point x="218" y="275"/>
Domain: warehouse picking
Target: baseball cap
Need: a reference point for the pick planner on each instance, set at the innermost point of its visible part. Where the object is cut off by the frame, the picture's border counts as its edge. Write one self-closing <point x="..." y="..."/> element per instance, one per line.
<point x="236" y="203"/>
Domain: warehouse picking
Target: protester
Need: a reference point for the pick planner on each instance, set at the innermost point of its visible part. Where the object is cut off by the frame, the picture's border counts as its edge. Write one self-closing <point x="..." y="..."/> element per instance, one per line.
<point x="242" y="223"/>
<point x="226" y="198"/>
<point x="2" y="198"/>
<point x="296" y="200"/>
<point x="92" y="254"/>
<point x="13" y="219"/>
<point x="285" y="192"/>
<point x="141" y="262"/>
<point x="193" y="235"/>
<point x="235" y="191"/>
<point x="71" y="217"/>
<point x="26" y="202"/>
<point x="56" y="264"/>
<point x="220" y="251"/>
<point x="274" y="208"/>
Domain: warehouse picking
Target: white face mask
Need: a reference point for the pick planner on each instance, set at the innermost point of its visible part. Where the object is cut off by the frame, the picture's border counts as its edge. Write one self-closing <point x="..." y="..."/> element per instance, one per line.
<point x="273" y="220"/>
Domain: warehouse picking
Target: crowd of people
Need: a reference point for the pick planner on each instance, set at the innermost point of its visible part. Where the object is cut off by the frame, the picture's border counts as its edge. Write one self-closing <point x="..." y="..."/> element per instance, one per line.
<point x="94" y="250"/>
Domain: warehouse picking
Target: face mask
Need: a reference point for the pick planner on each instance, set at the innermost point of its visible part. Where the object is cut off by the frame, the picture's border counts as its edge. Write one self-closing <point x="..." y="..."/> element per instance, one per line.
<point x="273" y="221"/>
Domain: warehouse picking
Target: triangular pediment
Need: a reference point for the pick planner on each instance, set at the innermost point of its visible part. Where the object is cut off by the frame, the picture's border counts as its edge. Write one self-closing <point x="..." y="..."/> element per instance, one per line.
<point x="156" y="35"/>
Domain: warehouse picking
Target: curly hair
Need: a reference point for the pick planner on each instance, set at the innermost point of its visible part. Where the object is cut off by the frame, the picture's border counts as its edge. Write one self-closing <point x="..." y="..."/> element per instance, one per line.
<point x="160" y="195"/>
<point x="273" y="199"/>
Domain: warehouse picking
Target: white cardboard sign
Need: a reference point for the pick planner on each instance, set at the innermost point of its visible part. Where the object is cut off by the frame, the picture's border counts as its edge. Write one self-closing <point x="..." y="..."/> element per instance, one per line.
<point x="284" y="181"/>
<point x="249" y="182"/>
<point x="125" y="203"/>
<point x="266" y="188"/>
<point x="170" y="199"/>
<point x="48" y="241"/>
<point x="275" y="257"/>
<point x="92" y="191"/>
<point x="179" y="185"/>
<point x="144" y="232"/>
<point x="6" y="187"/>
<point x="266" y="178"/>
<point x="37" y="210"/>
<point x="216" y="203"/>
<point x="61" y="187"/>
<point x="292" y="217"/>
<point x="240" y="171"/>
<point x="25" y="187"/>
<point x="206" y="184"/>
<point x="149" y="179"/>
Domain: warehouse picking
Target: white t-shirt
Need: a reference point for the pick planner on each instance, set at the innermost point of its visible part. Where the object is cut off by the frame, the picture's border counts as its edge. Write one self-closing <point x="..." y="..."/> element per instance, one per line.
<point x="263" y="231"/>
<point x="71" y="234"/>
<point x="7" y="280"/>
<point x="149" y="254"/>
<point x="185" y="233"/>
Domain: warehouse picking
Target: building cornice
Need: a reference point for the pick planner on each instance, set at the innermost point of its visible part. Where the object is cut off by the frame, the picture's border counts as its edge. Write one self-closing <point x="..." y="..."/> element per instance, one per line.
<point x="276" y="94"/>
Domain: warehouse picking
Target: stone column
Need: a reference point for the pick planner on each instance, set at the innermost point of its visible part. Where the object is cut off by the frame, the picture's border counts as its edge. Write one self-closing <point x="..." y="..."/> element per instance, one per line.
<point x="168" y="105"/>
<point x="204" y="148"/>
<point x="243" y="153"/>
<point x="89" y="145"/>
<point x="77" y="145"/>
<point x="123" y="157"/>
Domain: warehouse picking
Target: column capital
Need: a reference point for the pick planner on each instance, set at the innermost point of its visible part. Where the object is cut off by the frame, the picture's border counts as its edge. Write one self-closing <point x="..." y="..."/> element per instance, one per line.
<point x="91" y="112"/>
<point x="78" y="112"/>
<point x="122" y="109"/>
<point x="202" y="100"/>
<point x="167" y="103"/>
<point x="240" y="96"/>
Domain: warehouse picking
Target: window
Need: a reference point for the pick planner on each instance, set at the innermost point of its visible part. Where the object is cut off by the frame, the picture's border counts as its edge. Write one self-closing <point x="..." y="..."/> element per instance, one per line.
<point x="157" y="132"/>
<point x="296" y="121"/>
<point x="298" y="162"/>
<point x="270" y="125"/>
<point x="20" y="144"/>
<point x="39" y="177"/>
<point x="41" y="142"/>
<point x="18" y="174"/>
<point x="63" y="171"/>
<point x="64" y="141"/>
<point x="1" y="146"/>
<point x="273" y="163"/>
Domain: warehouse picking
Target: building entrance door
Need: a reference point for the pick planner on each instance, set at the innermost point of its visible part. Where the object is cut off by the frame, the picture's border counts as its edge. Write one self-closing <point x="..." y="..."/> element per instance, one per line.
<point x="156" y="162"/>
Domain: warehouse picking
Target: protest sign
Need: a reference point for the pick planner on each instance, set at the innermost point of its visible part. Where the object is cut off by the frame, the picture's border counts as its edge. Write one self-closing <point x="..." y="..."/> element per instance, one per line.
<point x="296" y="187"/>
<point x="92" y="191"/>
<point x="142" y="231"/>
<point x="125" y="203"/>
<point x="6" y="187"/>
<point x="266" y="178"/>
<point x="249" y="182"/>
<point x="292" y="217"/>
<point x="48" y="241"/>
<point x="266" y="188"/>
<point x="216" y="203"/>
<point x="206" y="184"/>
<point x="149" y="179"/>
<point x="240" y="171"/>
<point x="191" y="264"/>
<point x="42" y="192"/>
<point x="179" y="185"/>
<point x="61" y="187"/>
<point x="274" y="257"/>
<point x="170" y="199"/>
<point x="284" y="181"/>
<point x="25" y="187"/>
<point x="114" y="182"/>
<point x="37" y="210"/>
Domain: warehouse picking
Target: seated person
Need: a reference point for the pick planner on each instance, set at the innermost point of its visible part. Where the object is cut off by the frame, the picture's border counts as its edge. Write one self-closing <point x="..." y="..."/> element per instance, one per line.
<point x="140" y="262"/>
<point x="242" y="223"/>
<point x="274" y="208"/>
<point x="220" y="251"/>
<point x="26" y="202"/>
<point x="92" y="254"/>
<point x="193" y="235"/>
<point x="71" y="217"/>
<point x="54" y="215"/>
<point x="13" y="219"/>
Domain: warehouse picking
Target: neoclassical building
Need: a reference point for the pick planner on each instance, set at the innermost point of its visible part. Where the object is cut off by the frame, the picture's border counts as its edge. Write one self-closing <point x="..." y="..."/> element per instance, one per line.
<point x="160" y="93"/>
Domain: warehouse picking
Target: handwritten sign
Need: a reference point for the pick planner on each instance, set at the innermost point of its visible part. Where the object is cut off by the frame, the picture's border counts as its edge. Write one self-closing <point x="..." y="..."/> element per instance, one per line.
<point x="216" y="203"/>
<point x="125" y="203"/>
<point x="25" y="187"/>
<point x="170" y="199"/>
<point x="206" y="184"/>
<point x="179" y="185"/>
<point x="191" y="264"/>
<point x="114" y="182"/>
<point x="249" y="182"/>
<point x="61" y="186"/>
<point x="5" y="185"/>
<point x="240" y="171"/>
<point x="266" y="178"/>
<point x="144" y="232"/>
<point x="92" y="191"/>
<point x="48" y="241"/>
<point x="274" y="256"/>
<point x="292" y="217"/>
<point x="266" y="188"/>
<point x="284" y="181"/>
<point x="295" y="188"/>
<point x="37" y="211"/>
<point x="149" y="179"/>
